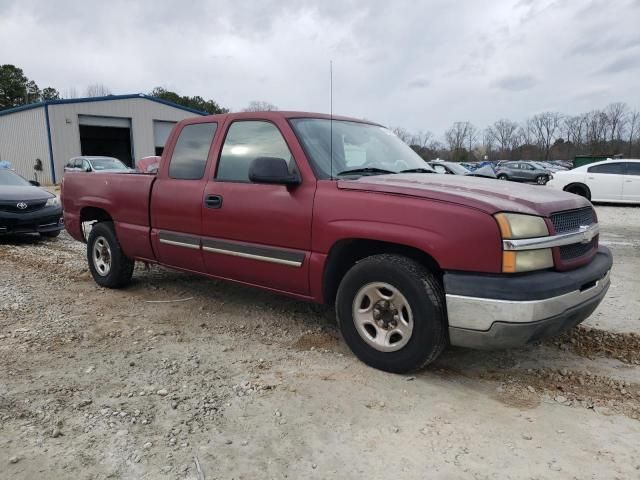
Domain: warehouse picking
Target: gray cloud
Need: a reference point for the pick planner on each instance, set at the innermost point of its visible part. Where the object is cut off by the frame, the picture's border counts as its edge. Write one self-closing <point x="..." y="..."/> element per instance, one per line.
<point x="515" y="83"/>
<point x="418" y="82"/>
<point x="621" y="64"/>
<point x="393" y="61"/>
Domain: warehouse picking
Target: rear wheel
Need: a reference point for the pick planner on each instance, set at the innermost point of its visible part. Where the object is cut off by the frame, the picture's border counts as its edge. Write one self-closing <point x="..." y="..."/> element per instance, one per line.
<point x="108" y="265"/>
<point x="391" y="313"/>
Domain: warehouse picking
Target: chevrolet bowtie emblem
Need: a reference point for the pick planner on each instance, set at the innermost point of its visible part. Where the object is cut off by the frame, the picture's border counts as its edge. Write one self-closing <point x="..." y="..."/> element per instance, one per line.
<point x="587" y="235"/>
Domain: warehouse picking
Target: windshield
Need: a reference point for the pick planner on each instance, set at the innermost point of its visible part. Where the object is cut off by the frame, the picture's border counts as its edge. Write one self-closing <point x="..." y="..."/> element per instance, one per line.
<point x="10" y="179"/>
<point x="107" y="164"/>
<point x="364" y="148"/>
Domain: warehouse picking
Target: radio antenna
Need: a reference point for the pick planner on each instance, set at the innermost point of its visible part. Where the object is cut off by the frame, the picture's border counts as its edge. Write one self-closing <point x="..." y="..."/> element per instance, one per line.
<point x="331" y="116"/>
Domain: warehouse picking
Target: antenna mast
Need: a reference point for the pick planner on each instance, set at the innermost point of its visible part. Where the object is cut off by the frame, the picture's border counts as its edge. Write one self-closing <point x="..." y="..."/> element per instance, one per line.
<point x="331" y="115"/>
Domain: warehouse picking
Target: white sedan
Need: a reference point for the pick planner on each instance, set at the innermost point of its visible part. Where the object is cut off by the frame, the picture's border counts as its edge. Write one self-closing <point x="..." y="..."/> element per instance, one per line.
<point x="608" y="181"/>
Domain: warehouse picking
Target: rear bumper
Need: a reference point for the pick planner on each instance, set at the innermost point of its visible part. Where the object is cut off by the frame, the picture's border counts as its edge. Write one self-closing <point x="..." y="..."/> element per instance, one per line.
<point x="47" y="219"/>
<point x="500" y="311"/>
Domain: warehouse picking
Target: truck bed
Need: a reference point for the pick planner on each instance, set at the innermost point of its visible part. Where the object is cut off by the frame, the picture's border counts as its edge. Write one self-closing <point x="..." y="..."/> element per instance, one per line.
<point x="125" y="196"/>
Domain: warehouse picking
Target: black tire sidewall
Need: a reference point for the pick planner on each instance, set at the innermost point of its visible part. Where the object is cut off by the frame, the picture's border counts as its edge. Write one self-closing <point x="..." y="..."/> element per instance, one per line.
<point x="119" y="263"/>
<point x="427" y="336"/>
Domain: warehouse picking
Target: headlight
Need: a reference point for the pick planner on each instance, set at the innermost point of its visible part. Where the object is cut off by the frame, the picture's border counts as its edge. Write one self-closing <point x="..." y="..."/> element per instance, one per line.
<point x="53" y="202"/>
<point x="514" y="226"/>
<point x="526" y="260"/>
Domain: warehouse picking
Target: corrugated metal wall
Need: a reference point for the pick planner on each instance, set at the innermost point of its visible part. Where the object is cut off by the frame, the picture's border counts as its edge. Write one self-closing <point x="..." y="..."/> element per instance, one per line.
<point x="65" y="133"/>
<point x="23" y="138"/>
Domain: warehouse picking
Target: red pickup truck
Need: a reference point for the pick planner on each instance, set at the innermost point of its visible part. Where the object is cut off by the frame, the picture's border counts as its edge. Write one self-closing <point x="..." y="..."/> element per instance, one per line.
<point x="340" y="211"/>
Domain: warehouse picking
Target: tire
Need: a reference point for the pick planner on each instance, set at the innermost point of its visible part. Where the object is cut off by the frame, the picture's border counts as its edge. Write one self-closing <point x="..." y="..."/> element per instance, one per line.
<point x="542" y="179"/>
<point x="53" y="234"/>
<point x="109" y="267"/>
<point x="502" y="176"/>
<point x="412" y="285"/>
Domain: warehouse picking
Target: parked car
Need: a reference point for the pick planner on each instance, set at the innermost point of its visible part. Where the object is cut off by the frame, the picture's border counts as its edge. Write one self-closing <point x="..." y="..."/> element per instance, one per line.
<point x="96" y="164"/>
<point x="521" y="171"/>
<point x="552" y="167"/>
<point x="454" y="168"/>
<point x="608" y="181"/>
<point x="412" y="262"/>
<point x="26" y="208"/>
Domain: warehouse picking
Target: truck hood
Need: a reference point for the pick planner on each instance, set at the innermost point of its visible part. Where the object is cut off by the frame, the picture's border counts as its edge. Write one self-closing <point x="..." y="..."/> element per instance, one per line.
<point x="485" y="194"/>
<point x="11" y="193"/>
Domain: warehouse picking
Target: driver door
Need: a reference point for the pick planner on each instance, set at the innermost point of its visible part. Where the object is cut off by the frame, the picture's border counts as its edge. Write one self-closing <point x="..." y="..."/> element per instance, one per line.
<point x="259" y="234"/>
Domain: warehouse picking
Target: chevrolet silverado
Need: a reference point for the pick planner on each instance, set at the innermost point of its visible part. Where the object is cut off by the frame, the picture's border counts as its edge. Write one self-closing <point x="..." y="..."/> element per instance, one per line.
<point x="340" y="211"/>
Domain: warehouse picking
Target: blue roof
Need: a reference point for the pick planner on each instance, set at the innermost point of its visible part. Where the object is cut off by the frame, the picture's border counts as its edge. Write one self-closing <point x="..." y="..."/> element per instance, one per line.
<point x="99" y="99"/>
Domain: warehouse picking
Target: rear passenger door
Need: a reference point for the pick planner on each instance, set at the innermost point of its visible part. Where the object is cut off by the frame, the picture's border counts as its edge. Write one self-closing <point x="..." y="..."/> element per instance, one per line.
<point x="176" y="198"/>
<point x="631" y="185"/>
<point x="258" y="234"/>
<point x="605" y="181"/>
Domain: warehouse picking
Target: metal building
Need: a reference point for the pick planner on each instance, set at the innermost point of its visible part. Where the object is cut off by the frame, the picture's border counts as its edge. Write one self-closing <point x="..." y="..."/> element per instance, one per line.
<point x="128" y="127"/>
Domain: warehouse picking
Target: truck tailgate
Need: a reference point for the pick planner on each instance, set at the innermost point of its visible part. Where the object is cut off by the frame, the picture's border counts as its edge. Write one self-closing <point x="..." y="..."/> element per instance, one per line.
<point x="124" y="197"/>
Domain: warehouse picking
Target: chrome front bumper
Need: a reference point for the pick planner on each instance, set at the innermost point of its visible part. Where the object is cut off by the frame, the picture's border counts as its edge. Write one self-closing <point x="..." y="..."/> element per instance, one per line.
<point x="479" y="322"/>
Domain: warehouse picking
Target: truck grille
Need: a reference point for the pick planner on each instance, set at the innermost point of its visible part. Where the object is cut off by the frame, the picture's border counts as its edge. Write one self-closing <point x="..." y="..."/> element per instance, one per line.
<point x="571" y="220"/>
<point x="575" y="250"/>
<point x="13" y="206"/>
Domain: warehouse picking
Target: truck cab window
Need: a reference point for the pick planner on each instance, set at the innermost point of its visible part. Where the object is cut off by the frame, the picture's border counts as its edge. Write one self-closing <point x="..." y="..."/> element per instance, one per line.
<point x="190" y="154"/>
<point x="246" y="141"/>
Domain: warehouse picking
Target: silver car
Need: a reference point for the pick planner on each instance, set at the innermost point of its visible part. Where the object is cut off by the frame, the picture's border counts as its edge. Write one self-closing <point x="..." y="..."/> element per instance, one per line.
<point x="520" y="171"/>
<point x="95" y="164"/>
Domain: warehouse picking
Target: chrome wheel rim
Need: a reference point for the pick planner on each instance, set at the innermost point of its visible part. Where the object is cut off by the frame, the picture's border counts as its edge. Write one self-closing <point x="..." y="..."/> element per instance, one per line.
<point x="541" y="181"/>
<point x="382" y="317"/>
<point x="102" y="256"/>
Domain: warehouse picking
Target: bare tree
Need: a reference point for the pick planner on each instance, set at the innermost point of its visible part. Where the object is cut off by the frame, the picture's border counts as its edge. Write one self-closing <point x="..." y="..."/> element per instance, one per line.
<point x="472" y="136"/>
<point x="546" y="125"/>
<point x="634" y="128"/>
<point x="596" y="129"/>
<point x="403" y="135"/>
<point x="503" y="133"/>
<point x="70" y="92"/>
<point x="422" y="139"/>
<point x="97" y="90"/>
<point x="456" y="137"/>
<point x="260" y="106"/>
<point x="574" y="128"/>
<point x="616" y="114"/>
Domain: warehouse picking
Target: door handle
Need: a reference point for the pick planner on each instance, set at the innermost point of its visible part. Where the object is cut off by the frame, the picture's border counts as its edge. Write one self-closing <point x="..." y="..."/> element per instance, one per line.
<point x="213" y="201"/>
<point x="628" y="181"/>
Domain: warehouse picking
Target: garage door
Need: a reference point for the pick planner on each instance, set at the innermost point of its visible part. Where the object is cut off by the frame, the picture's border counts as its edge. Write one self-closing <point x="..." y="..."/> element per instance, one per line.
<point x="106" y="136"/>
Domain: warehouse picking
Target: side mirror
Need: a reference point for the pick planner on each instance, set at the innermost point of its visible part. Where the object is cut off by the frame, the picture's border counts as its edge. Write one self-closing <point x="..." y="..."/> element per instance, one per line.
<point x="273" y="170"/>
<point x="87" y="169"/>
<point x="35" y="183"/>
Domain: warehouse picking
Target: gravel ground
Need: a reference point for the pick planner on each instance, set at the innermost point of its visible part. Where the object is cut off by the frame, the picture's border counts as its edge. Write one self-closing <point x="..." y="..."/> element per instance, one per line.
<point x="228" y="382"/>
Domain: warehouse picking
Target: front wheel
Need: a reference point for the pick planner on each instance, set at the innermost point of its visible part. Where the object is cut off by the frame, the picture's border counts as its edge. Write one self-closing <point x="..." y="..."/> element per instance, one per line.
<point x="502" y="176"/>
<point x="108" y="265"/>
<point x="542" y="179"/>
<point x="391" y="313"/>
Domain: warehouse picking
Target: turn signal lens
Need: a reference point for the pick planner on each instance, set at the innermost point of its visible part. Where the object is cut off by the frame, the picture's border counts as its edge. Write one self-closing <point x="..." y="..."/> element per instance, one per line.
<point x="515" y="225"/>
<point x="526" y="260"/>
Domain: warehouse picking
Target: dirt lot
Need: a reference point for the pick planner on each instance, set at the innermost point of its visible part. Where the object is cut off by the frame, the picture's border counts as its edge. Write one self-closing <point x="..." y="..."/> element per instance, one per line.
<point x="227" y="382"/>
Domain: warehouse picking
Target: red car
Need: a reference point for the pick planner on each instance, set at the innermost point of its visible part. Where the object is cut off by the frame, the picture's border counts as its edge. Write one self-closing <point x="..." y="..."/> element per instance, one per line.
<point x="341" y="211"/>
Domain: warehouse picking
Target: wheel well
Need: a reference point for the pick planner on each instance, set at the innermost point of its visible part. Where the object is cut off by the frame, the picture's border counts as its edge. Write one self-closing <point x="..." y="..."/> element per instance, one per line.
<point x="91" y="215"/>
<point x="346" y="253"/>
<point x="576" y="186"/>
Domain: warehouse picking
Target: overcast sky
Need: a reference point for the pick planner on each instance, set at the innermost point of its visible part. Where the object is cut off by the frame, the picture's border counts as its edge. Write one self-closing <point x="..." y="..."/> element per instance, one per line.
<point x="420" y="65"/>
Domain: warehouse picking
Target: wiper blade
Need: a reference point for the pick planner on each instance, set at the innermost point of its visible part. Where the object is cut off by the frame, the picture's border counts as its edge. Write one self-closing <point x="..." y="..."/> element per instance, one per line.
<point x="417" y="170"/>
<point x="364" y="171"/>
